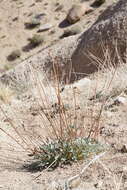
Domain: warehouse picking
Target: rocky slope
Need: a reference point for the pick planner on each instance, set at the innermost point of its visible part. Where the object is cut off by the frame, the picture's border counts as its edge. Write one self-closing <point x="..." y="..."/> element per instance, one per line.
<point x="16" y="17"/>
<point x="108" y="33"/>
<point x="30" y="92"/>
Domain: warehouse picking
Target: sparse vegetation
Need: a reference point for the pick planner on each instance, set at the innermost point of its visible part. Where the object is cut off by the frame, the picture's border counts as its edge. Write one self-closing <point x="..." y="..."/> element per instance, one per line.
<point x="59" y="153"/>
<point x="36" y="40"/>
<point x="72" y="120"/>
<point x="67" y="141"/>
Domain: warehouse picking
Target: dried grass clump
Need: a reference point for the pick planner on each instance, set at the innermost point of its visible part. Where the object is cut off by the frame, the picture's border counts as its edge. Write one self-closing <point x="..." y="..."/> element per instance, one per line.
<point x="67" y="141"/>
<point x="61" y="138"/>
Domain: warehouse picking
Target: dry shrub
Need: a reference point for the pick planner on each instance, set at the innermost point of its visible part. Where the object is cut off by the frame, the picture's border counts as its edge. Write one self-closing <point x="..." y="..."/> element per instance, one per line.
<point x="61" y="138"/>
<point x="67" y="140"/>
<point x="36" y="40"/>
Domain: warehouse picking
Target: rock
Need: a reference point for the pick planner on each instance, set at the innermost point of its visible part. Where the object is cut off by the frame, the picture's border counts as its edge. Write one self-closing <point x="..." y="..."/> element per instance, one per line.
<point x="14" y="55"/>
<point x="120" y="100"/>
<point x="35" y="21"/>
<point x="71" y="31"/>
<point x="80" y="85"/>
<point x="98" y="3"/>
<point x="99" y="184"/>
<point x="59" y="8"/>
<point x="44" y="27"/>
<point x="39" y="16"/>
<point x="123" y="149"/>
<point x="15" y="19"/>
<point x="52" y="32"/>
<point x="76" y="12"/>
<point x="107" y="29"/>
<point x="38" y="1"/>
<point x="89" y="10"/>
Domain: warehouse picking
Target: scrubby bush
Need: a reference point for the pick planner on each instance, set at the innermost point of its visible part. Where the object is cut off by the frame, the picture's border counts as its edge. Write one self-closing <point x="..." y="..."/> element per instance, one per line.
<point x="66" y="140"/>
<point x="57" y="153"/>
<point x="36" y="40"/>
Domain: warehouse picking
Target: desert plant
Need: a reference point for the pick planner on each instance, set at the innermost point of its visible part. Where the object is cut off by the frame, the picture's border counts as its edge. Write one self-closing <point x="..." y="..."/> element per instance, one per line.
<point x="57" y="153"/>
<point x="66" y="142"/>
<point x="36" y="40"/>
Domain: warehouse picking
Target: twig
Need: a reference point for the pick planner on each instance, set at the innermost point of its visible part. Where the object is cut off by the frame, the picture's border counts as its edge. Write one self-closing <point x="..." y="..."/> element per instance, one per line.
<point x="70" y="180"/>
<point x="48" y="167"/>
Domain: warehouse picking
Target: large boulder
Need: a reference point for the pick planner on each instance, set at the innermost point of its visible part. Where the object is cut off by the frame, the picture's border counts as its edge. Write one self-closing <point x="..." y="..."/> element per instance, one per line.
<point x="77" y="11"/>
<point x="108" y="33"/>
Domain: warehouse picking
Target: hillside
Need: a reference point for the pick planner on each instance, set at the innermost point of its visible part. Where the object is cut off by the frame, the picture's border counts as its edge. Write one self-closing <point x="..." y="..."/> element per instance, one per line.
<point x="42" y="100"/>
<point x="14" y="33"/>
